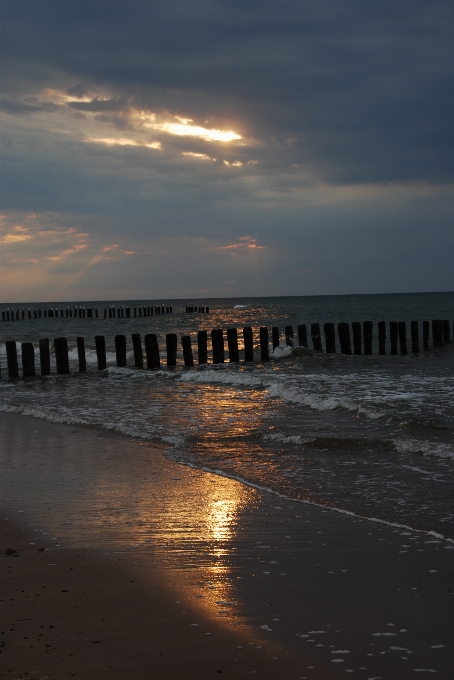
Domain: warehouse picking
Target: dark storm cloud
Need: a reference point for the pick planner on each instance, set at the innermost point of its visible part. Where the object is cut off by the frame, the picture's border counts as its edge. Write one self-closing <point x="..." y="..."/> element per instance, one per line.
<point x="365" y="89"/>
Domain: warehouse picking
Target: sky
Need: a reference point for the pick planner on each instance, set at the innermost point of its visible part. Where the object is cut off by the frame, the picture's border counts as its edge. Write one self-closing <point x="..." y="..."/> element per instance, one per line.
<point x="228" y="148"/>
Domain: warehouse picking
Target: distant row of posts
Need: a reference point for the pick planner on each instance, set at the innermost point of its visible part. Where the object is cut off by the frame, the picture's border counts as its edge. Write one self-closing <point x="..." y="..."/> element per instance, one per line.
<point x="361" y="335"/>
<point x="110" y="312"/>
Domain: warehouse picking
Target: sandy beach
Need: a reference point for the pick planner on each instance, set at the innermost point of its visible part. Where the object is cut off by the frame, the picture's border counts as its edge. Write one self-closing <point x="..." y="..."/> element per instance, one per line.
<point x="121" y="563"/>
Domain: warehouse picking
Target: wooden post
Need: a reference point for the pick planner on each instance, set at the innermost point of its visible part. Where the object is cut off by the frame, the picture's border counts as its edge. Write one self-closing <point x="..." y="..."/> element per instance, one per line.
<point x="437" y="333"/>
<point x="137" y="347"/>
<point x="171" y="346"/>
<point x="152" y="351"/>
<point x="356" y="332"/>
<point x="207" y="310"/>
<point x="248" y="344"/>
<point x="367" y="333"/>
<point x="120" y="350"/>
<point x="232" y="342"/>
<point x="382" y="337"/>
<point x="288" y="332"/>
<point x="393" y="335"/>
<point x="302" y="335"/>
<point x="402" y="329"/>
<point x="414" y="337"/>
<point x="61" y="356"/>
<point x="89" y="313"/>
<point x="343" y="331"/>
<point x="187" y="350"/>
<point x="446" y="331"/>
<point x="28" y="359"/>
<point x="316" y="339"/>
<point x="275" y="337"/>
<point x="11" y="357"/>
<point x="96" y="312"/>
<point x="425" y="334"/>
<point x="128" y="312"/>
<point x="81" y="354"/>
<point x="101" y="351"/>
<point x="44" y="356"/>
<point x="202" y="349"/>
<point x="217" y="343"/>
<point x="264" y="348"/>
<point x="330" y="338"/>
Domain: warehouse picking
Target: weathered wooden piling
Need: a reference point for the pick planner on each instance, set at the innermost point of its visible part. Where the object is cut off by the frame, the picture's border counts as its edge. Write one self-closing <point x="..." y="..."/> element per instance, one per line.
<point x="120" y="350"/>
<point x="232" y="343"/>
<point x="217" y="343"/>
<point x="61" y="355"/>
<point x="316" y="338"/>
<point x="137" y="348"/>
<point x="152" y="351"/>
<point x="28" y="360"/>
<point x="171" y="347"/>
<point x="202" y="347"/>
<point x="381" y="337"/>
<point x="330" y="338"/>
<point x="11" y="358"/>
<point x="187" y="350"/>
<point x="81" y="354"/>
<point x="264" y="346"/>
<point x="414" y="331"/>
<point x="425" y="334"/>
<point x="437" y="332"/>
<point x="402" y="330"/>
<point x="288" y="332"/>
<point x="128" y="312"/>
<point x="393" y="336"/>
<point x="275" y="337"/>
<point x="302" y="335"/>
<point x="100" y="344"/>
<point x="446" y="330"/>
<point x="367" y="335"/>
<point x="248" y="344"/>
<point x="44" y="356"/>
<point x="343" y="331"/>
<point x="357" y="342"/>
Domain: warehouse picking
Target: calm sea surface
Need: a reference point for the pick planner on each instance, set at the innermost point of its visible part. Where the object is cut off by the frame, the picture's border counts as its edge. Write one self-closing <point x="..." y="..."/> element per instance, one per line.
<point x="373" y="435"/>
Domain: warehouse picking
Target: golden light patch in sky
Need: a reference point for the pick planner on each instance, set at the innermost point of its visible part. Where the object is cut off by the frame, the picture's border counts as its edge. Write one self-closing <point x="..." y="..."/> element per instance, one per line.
<point x="199" y="156"/>
<point x="122" y="141"/>
<point x="245" y="242"/>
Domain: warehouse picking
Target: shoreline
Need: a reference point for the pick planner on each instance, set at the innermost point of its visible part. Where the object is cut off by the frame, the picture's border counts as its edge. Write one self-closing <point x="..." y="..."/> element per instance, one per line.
<point x="215" y="540"/>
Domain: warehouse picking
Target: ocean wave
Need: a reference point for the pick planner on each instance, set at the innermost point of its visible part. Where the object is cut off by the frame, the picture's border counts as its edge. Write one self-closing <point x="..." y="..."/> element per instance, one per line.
<point x="434" y="449"/>
<point x="222" y="377"/>
<point x="286" y="439"/>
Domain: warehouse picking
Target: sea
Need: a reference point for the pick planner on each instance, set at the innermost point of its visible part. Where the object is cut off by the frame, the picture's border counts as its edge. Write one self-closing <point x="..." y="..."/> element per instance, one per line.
<point x="371" y="436"/>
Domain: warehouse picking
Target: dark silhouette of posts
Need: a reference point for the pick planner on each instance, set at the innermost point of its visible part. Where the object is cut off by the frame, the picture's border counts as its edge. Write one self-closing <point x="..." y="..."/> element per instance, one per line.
<point x="393" y="336"/>
<point x="356" y="332"/>
<point x="330" y="338"/>
<point x="44" y="356"/>
<point x="187" y="350"/>
<point x="217" y="343"/>
<point x="316" y="338"/>
<point x="152" y="351"/>
<point x="81" y="355"/>
<point x="437" y="332"/>
<point x="446" y="331"/>
<point x="100" y="344"/>
<point x="61" y="355"/>
<point x="402" y="328"/>
<point x="28" y="360"/>
<point x="343" y="331"/>
<point x="171" y="349"/>
<point x="302" y="335"/>
<point x="232" y="342"/>
<point x="248" y="344"/>
<point x="425" y="334"/>
<point x="275" y="337"/>
<point x="367" y="334"/>
<point x="288" y="336"/>
<point x="382" y="337"/>
<point x="120" y="350"/>
<point x="264" y="340"/>
<point x="11" y="357"/>
<point x="202" y="347"/>
<point x="414" y="337"/>
<point x="137" y="348"/>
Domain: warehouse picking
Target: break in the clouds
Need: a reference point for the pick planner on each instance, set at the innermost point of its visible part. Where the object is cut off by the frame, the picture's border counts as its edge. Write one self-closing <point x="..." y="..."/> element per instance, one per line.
<point x="226" y="148"/>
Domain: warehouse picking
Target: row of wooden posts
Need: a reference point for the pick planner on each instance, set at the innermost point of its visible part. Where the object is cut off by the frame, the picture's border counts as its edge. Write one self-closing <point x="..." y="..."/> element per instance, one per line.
<point x="110" y="312"/>
<point x="362" y="341"/>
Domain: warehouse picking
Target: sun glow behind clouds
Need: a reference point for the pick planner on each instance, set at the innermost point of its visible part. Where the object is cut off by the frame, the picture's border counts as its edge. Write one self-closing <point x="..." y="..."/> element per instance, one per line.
<point x="123" y="141"/>
<point x="183" y="128"/>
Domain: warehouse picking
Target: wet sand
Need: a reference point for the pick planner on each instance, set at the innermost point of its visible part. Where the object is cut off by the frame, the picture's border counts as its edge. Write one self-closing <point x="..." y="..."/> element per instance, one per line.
<point x="152" y="569"/>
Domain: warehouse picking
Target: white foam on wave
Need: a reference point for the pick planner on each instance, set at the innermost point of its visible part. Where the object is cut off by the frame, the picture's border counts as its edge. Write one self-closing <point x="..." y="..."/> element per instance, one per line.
<point x="434" y="449"/>
<point x="286" y="439"/>
<point x="222" y="377"/>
